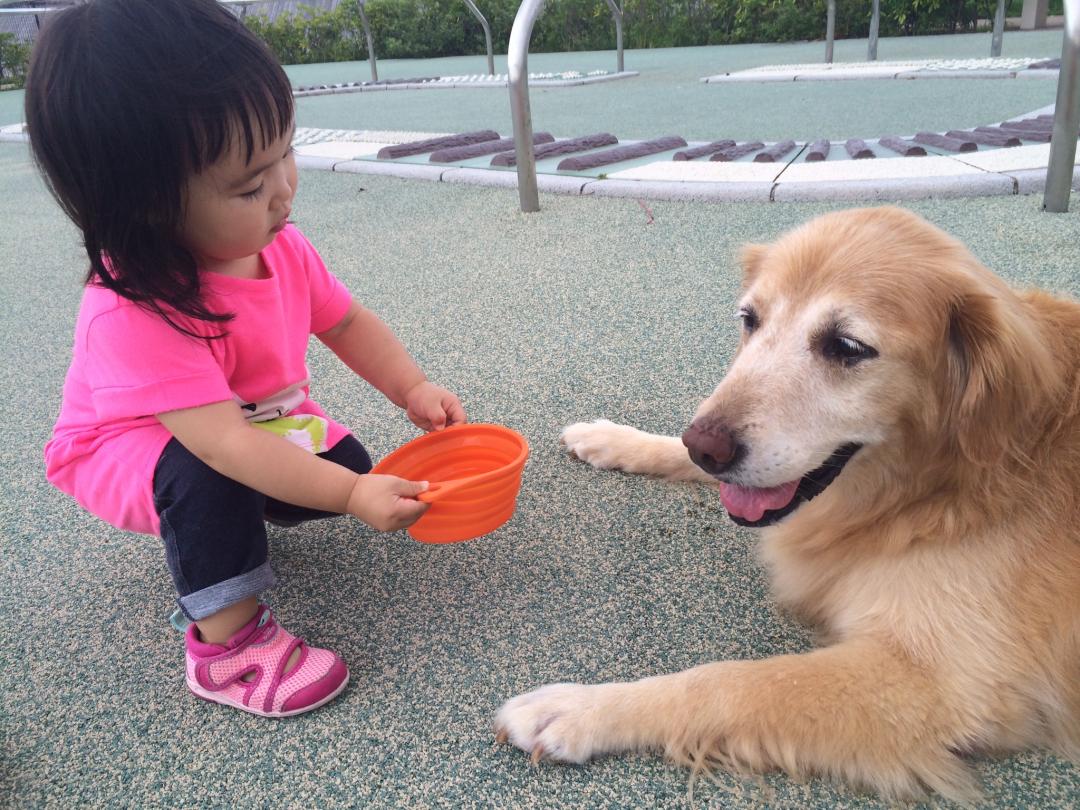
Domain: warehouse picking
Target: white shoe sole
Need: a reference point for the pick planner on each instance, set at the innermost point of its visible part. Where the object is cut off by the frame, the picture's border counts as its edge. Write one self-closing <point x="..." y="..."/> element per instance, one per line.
<point x="214" y="697"/>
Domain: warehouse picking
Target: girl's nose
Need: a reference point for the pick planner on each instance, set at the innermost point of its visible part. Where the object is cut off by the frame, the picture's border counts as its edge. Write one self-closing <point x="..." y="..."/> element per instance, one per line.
<point x="284" y="179"/>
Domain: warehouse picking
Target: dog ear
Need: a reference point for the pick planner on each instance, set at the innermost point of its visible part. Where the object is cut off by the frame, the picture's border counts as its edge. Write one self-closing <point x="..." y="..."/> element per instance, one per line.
<point x="750" y="257"/>
<point x="1000" y="375"/>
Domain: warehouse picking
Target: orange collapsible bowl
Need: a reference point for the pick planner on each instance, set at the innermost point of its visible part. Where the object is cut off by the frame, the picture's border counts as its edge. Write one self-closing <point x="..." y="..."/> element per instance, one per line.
<point x="473" y="472"/>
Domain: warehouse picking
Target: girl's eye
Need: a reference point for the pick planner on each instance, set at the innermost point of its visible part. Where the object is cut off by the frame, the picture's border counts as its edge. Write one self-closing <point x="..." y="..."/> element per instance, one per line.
<point x="251" y="195"/>
<point x="749" y="319"/>
<point x="847" y="351"/>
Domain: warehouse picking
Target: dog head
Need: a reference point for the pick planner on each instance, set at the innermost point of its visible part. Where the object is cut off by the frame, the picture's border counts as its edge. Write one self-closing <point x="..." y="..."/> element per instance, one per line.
<point x="866" y="333"/>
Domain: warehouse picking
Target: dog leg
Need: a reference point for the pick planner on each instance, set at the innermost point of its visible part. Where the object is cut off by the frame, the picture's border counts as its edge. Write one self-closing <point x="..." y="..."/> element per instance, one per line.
<point x="857" y="710"/>
<point x="608" y="446"/>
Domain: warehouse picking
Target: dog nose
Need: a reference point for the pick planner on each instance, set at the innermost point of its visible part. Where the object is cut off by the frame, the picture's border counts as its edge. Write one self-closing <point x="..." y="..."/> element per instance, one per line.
<point x="712" y="445"/>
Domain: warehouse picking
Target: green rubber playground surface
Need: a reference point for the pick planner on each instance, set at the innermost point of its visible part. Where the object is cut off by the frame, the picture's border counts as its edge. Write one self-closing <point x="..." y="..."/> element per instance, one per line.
<point x="669" y="98"/>
<point x="592" y="307"/>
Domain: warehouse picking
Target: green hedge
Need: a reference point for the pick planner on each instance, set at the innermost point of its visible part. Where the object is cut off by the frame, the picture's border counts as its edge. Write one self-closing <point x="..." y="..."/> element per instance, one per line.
<point x="417" y="29"/>
<point x="405" y="29"/>
<point x="14" y="56"/>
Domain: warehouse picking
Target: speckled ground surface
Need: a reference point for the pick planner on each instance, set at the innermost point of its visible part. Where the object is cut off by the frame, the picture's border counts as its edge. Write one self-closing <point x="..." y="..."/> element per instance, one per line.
<point x="580" y="311"/>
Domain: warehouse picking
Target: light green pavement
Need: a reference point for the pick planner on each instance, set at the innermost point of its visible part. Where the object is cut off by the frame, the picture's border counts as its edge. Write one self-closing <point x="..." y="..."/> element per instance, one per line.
<point x="580" y="311"/>
<point x="668" y="97"/>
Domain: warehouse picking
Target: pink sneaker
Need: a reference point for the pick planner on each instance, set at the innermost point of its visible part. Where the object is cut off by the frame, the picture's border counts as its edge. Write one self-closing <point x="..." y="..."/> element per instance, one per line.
<point x="215" y="672"/>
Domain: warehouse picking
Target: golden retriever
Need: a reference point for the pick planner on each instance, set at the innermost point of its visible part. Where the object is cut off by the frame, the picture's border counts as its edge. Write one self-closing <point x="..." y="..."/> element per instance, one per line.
<point x="905" y="431"/>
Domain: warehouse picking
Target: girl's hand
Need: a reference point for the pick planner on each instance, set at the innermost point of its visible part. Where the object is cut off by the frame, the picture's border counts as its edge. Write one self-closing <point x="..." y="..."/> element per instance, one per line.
<point x="431" y="407"/>
<point x="386" y="502"/>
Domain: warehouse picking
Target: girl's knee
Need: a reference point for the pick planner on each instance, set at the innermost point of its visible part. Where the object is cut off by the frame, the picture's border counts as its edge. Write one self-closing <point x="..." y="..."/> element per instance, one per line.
<point x="182" y="480"/>
<point x="350" y="453"/>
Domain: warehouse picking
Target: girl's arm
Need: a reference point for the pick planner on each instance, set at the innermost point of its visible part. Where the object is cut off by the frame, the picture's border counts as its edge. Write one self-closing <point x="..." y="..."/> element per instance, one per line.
<point x="367" y="346"/>
<point x="220" y="437"/>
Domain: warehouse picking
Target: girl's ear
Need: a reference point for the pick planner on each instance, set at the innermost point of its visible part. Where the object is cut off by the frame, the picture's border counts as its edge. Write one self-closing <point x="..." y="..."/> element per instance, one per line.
<point x="751" y="257"/>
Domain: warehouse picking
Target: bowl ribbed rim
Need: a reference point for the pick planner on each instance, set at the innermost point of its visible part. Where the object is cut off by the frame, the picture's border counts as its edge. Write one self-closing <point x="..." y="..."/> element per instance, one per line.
<point x="469" y="480"/>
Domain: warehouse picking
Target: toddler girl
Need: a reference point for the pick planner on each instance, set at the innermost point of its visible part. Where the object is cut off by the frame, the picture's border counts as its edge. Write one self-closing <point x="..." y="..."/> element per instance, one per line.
<point x="163" y="128"/>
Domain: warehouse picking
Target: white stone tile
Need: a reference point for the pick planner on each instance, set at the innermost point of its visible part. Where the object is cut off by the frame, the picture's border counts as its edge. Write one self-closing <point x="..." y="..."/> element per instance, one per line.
<point x="341" y="150"/>
<point x="658" y="190"/>
<point x="896" y="188"/>
<point x="1033" y="181"/>
<point x="877" y="169"/>
<point x="410" y="171"/>
<point x="844" y="74"/>
<point x="479" y="177"/>
<point x="993" y="68"/>
<point x="958" y="74"/>
<point x="394" y="136"/>
<point x="559" y="183"/>
<point x="1031" y="156"/>
<point x="749" y="77"/>
<point x="702" y="171"/>
<point x="314" y="162"/>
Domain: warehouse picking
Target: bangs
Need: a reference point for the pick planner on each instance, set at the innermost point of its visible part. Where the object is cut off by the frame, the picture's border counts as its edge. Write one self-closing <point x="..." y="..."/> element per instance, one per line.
<point x="250" y="109"/>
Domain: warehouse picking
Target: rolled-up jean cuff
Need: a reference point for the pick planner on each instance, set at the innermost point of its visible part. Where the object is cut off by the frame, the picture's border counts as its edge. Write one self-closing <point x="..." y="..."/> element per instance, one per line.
<point x="210" y="600"/>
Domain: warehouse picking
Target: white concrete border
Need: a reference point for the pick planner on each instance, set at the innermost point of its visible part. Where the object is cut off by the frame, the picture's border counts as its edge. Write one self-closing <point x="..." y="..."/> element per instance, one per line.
<point x="1020" y="170"/>
<point x="990" y="68"/>
<point x="500" y="82"/>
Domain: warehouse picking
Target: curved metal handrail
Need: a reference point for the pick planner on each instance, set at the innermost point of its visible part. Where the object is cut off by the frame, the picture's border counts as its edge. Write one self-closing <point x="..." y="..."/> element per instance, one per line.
<point x="1059" y="171"/>
<point x="517" y="59"/>
<point x="517" y="62"/>
<point x="487" y="34"/>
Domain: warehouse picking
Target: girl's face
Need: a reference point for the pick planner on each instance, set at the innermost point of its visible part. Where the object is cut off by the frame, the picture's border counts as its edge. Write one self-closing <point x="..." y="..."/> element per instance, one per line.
<point x="234" y="208"/>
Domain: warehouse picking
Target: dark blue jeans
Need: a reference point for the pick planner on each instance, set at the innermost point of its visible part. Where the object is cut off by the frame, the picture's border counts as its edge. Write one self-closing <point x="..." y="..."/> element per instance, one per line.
<point x="214" y="528"/>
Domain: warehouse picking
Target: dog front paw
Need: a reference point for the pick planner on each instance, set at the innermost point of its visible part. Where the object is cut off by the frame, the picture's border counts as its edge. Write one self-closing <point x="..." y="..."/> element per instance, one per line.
<point x="558" y="721"/>
<point x="603" y="444"/>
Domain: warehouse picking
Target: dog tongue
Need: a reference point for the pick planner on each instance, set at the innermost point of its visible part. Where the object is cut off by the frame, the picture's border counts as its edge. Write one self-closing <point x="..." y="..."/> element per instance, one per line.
<point x="750" y="503"/>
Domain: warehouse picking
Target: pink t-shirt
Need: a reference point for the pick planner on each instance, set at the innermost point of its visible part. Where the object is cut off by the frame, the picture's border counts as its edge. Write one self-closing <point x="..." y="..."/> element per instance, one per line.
<point x="129" y="364"/>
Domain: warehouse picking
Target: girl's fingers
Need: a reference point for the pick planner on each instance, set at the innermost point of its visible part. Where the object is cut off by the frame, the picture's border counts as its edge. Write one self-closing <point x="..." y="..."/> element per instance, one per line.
<point x="454" y="412"/>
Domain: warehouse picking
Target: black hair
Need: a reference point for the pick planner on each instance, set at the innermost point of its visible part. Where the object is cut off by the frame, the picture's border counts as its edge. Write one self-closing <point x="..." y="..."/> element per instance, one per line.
<point x="125" y="101"/>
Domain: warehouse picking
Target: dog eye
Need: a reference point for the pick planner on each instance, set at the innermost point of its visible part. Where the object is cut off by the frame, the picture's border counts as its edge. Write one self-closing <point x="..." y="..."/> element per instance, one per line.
<point x="749" y="319"/>
<point x="847" y="351"/>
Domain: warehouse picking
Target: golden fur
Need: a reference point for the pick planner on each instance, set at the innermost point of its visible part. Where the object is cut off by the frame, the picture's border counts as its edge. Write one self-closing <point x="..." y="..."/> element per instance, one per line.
<point x="943" y="563"/>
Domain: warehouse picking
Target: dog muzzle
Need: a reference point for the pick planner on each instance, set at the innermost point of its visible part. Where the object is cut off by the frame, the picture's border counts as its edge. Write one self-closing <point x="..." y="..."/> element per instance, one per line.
<point x="757" y="507"/>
